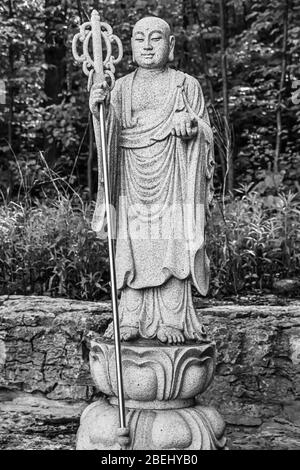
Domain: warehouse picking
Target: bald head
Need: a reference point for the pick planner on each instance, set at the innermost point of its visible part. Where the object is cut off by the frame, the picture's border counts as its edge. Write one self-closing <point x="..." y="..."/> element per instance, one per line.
<point x="152" y="43"/>
<point x="152" y="23"/>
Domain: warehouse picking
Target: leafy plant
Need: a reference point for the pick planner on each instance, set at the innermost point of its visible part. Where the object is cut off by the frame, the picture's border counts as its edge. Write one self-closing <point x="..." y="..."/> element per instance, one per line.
<point x="253" y="240"/>
<point x="47" y="245"/>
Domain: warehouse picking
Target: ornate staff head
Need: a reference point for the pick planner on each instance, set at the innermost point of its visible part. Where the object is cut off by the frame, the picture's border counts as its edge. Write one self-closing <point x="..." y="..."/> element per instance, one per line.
<point x="97" y="69"/>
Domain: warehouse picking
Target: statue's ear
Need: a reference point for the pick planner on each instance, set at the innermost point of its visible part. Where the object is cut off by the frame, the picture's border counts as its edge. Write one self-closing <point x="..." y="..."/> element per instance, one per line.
<point x="171" y="46"/>
<point x="132" y="48"/>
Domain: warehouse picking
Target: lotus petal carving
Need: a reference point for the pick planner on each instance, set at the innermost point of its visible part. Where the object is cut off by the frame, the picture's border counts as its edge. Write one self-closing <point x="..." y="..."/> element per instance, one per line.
<point x="152" y="372"/>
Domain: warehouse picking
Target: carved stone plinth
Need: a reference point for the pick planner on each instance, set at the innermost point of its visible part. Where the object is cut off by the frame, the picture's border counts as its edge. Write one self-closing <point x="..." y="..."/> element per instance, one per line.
<point x="160" y="385"/>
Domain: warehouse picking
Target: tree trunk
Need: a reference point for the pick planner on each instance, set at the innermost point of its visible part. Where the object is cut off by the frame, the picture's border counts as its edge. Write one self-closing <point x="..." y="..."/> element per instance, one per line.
<point x="79" y="9"/>
<point x="228" y="150"/>
<point x="96" y="4"/>
<point x="11" y="96"/>
<point x="55" y="55"/>
<point x="202" y="46"/>
<point x="11" y="84"/>
<point x="191" y="16"/>
<point x="281" y="86"/>
<point x="195" y="19"/>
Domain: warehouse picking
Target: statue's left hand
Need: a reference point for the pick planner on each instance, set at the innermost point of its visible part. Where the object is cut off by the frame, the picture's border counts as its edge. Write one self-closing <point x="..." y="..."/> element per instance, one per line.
<point x="184" y="126"/>
<point x="123" y="437"/>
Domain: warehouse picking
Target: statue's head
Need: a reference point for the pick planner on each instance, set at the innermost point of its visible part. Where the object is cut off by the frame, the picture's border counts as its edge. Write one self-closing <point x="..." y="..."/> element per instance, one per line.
<point x="152" y="43"/>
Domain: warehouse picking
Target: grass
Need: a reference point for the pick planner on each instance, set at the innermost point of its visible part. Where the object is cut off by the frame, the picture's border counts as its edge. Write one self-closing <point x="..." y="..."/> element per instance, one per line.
<point x="253" y="240"/>
<point x="48" y="248"/>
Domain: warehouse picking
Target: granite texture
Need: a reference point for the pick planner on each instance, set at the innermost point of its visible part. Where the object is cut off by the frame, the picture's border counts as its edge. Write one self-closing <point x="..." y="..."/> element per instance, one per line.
<point x="160" y="385"/>
<point x="190" y="428"/>
<point x="256" y="385"/>
<point x="161" y="160"/>
<point x="153" y="372"/>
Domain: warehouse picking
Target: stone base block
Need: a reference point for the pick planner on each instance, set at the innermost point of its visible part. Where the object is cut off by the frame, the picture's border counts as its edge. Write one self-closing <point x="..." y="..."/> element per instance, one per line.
<point x="160" y="385"/>
<point x="190" y="428"/>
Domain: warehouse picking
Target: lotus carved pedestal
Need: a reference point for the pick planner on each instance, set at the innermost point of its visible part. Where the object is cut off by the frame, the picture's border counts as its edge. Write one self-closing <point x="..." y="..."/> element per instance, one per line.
<point x="160" y="386"/>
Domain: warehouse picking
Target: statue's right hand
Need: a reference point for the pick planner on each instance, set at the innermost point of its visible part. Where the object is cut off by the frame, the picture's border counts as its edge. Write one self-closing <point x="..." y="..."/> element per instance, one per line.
<point x="99" y="93"/>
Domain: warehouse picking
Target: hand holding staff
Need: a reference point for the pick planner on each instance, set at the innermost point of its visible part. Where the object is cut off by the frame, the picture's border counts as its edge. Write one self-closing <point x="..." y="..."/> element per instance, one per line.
<point x="98" y="70"/>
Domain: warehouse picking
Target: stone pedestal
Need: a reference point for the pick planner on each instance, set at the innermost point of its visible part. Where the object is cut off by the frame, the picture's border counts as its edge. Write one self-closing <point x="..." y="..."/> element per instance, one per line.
<point x="160" y="386"/>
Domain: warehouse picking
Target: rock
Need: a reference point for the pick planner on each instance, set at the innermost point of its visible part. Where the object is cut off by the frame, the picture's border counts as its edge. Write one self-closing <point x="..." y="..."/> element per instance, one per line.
<point x="43" y="355"/>
<point x="41" y="345"/>
<point x="238" y="420"/>
<point x="272" y="435"/>
<point x="37" y="423"/>
<point x="292" y="412"/>
<point x="287" y="286"/>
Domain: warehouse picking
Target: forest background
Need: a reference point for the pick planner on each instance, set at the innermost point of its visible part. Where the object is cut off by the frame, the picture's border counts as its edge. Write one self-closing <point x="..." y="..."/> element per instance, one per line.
<point x="245" y="54"/>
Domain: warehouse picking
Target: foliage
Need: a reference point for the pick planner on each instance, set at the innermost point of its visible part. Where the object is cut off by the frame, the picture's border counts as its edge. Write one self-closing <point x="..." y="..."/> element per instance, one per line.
<point x="50" y="249"/>
<point x="46" y="245"/>
<point x="254" y="240"/>
<point x="46" y="100"/>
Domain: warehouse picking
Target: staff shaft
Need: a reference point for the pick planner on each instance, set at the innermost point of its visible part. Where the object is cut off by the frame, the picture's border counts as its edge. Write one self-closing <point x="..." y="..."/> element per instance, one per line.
<point x="99" y="77"/>
<point x="97" y="47"/>
<point x="97" y="70"/>
<point x="112" y="269"/>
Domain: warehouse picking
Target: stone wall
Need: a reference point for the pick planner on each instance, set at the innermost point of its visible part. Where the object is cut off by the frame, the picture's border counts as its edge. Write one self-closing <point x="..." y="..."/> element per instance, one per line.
<point x="257" y="381"/>
<point x="45" y="381"/>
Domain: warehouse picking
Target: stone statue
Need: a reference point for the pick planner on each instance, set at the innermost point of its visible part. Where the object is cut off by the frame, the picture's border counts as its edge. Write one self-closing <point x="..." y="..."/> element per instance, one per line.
<point x="161" y="167"/>
<point x="160" y="152"/>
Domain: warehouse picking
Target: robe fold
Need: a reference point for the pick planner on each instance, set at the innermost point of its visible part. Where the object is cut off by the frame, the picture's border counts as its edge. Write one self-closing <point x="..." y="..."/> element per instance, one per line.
<point x="161" y="188"/>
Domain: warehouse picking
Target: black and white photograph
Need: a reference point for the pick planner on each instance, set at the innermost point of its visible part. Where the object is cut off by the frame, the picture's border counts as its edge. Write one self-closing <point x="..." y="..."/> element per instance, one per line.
<point x="149" y="228"/>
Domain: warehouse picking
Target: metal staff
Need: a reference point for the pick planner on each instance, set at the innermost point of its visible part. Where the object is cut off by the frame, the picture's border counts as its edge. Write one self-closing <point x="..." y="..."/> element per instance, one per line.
<point x="97" y="71"/>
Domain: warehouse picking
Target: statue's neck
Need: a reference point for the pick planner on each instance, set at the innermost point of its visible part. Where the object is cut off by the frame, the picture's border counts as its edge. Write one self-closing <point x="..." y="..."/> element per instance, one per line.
<point x="150" y="73"/>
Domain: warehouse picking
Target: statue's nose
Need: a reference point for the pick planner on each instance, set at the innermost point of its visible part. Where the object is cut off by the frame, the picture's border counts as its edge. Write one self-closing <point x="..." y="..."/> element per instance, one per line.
<point x="148" y="45"/>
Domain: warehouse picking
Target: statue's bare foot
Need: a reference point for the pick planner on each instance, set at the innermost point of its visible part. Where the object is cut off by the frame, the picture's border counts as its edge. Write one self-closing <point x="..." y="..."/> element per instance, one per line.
<point x="168" y="334"/>
<point x="127" y="333"/>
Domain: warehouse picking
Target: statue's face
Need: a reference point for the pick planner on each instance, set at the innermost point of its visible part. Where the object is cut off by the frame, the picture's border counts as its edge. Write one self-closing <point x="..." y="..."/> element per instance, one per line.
<point x="151" y="43"/>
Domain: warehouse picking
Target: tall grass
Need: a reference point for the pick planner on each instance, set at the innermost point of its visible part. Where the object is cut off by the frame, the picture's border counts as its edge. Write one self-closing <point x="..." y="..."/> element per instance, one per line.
<point x="48" y="247"/>
<point x="253" y="240"/>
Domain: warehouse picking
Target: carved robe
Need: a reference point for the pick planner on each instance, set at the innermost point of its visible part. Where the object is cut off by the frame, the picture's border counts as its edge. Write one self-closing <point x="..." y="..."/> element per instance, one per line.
<point x="161" y="189"/>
